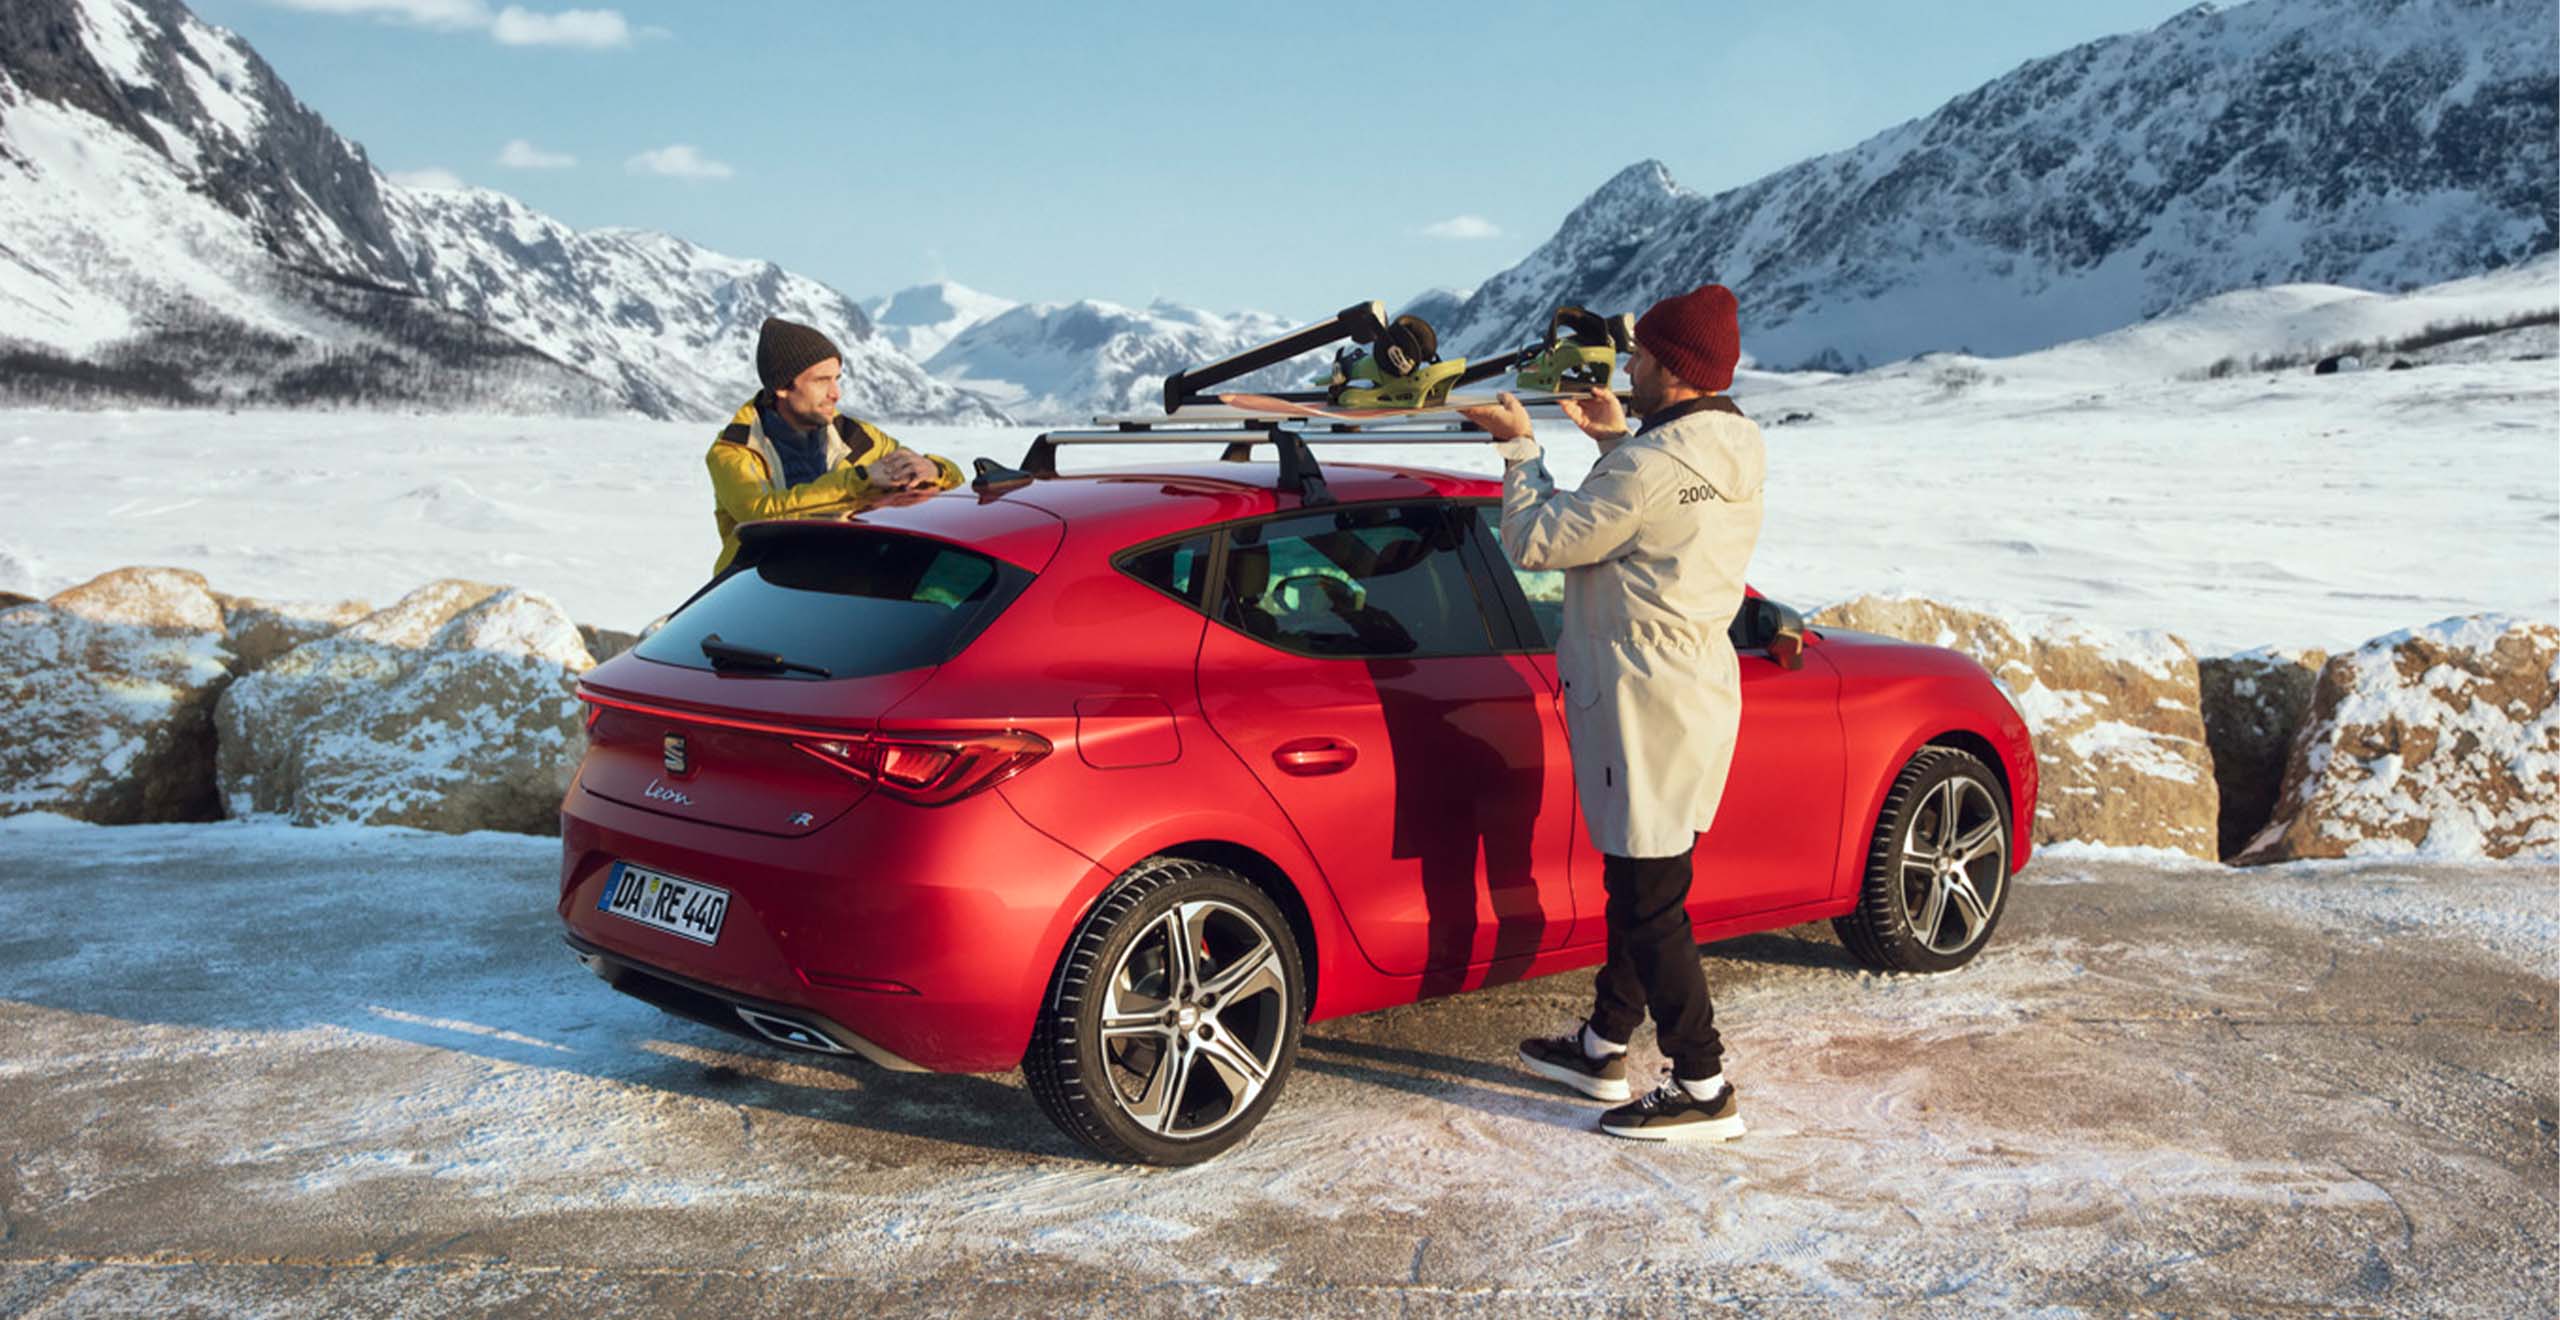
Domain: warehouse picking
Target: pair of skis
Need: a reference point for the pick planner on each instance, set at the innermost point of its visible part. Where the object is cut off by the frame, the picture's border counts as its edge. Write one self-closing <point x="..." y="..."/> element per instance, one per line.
<point x="1400" y="374"/>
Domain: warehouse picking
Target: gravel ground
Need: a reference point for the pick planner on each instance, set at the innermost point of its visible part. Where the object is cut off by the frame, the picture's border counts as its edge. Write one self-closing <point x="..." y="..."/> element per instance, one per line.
<point x="253" y="1070"/>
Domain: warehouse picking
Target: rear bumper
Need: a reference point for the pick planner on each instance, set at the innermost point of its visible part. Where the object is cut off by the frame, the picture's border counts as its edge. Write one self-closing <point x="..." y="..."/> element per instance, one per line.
<point x="918" y="937"/>
<point x="774" y="1024"/>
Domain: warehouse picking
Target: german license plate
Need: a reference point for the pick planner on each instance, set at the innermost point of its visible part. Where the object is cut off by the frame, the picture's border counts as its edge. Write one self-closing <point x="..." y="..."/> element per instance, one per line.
<point x="663" y="902"/>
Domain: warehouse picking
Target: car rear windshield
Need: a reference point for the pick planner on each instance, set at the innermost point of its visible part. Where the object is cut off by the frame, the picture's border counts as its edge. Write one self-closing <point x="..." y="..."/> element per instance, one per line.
<point x="851" y="604"/>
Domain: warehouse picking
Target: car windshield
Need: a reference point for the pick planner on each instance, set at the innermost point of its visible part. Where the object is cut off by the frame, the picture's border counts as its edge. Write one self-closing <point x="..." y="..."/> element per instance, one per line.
<point x="850" y="604"/>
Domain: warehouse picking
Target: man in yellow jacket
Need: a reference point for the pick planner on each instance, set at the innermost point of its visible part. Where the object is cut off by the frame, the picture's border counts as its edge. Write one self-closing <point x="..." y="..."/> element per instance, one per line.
<point x="787" y="452"/>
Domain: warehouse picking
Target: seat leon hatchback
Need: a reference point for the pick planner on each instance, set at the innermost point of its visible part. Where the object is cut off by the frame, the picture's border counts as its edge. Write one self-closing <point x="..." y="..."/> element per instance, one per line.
<point x="1123" y="778"/>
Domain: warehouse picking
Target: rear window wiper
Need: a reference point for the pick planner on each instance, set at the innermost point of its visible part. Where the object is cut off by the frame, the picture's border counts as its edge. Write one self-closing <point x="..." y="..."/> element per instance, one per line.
<point x="729" y="655"/>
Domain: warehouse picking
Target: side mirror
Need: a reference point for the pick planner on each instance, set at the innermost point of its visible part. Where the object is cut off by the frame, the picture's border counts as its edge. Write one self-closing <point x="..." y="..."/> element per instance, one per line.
<point x="1786" y="635"/>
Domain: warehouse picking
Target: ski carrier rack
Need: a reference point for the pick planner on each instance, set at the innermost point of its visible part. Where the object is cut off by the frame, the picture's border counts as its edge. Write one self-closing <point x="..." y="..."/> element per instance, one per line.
<point x="1300" y="474"/>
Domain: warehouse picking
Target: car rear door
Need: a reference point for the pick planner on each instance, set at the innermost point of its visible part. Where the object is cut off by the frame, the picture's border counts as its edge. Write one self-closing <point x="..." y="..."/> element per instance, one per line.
<point x="1354" y="668"/>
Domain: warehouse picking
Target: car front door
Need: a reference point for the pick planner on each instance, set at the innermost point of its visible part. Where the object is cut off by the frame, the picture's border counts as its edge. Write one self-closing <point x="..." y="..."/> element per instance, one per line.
<point x="1356" y="671"/>
<point x="1777" y="827"/>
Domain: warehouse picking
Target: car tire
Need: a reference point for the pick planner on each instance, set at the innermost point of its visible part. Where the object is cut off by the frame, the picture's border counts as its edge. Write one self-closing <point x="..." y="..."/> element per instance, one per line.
<point x="1150" y="1058"/>
<point x="1941" y="841"/>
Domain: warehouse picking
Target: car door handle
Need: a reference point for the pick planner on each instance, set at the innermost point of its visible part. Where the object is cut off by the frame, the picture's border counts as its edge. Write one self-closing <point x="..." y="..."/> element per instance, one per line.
<point x="1315" y="756"/>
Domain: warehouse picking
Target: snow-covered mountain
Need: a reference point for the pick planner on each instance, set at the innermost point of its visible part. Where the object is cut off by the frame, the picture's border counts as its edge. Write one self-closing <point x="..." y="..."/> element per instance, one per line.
<point x="670" y="325"/>
<point x="2381" y="144"/>
<point x="1075" y="361"/>
<point x="923" y="318"/>
<point x="175" y="226"/>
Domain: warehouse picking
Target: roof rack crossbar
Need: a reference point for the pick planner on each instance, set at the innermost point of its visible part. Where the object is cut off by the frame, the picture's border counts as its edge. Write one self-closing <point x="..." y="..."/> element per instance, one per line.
<point x="1300" y="474"/>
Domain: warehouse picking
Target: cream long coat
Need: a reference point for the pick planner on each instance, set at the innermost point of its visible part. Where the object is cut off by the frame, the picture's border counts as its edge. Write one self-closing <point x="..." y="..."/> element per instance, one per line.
<point x="1653" y="548"/>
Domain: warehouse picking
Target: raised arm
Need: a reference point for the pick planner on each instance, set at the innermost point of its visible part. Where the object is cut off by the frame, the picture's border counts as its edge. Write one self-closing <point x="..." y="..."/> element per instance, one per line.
<point x="1542" y="529"/>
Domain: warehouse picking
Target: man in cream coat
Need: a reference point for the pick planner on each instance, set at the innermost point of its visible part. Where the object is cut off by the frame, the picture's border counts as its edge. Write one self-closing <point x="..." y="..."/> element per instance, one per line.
<point x="1653" y="548"/>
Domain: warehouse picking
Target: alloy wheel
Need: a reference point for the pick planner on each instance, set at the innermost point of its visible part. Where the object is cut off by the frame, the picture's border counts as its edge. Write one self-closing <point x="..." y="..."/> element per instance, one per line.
<point x="1195" y="1018"/>
<point x="1954" y="859"/>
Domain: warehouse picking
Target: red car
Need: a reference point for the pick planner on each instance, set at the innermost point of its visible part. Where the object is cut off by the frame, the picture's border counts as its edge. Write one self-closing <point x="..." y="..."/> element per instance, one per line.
<point x="1125" y="777"/>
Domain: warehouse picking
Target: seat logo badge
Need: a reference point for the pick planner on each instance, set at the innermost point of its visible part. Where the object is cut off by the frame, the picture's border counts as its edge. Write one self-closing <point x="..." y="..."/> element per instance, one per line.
<point x="804" y="818"/>
<point x="657" y="792"/>
<point x="675" y="758"/>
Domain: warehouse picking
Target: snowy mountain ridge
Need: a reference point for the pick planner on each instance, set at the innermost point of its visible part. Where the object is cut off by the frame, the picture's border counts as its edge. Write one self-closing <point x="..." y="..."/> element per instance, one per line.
<point x="1075" y="361"/>
<point x="2380" y="144"/>
<point x="175" y="226"/>
<point x="671" y="324"/>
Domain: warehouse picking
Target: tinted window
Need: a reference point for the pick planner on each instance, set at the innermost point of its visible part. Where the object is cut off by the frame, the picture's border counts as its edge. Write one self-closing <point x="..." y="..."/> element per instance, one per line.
<point x="1544" y="588"/>
<point x="1178" y="570"/>
<point x="851" y="604"/>
<point x="1377" y="581"/>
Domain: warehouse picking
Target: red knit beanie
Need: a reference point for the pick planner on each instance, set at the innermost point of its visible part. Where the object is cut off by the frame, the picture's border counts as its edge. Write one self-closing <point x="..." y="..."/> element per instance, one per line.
<point x="1697" y="334"/>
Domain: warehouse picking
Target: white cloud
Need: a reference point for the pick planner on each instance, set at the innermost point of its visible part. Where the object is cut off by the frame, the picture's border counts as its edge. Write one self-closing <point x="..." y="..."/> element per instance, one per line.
<point x="522" y="155"/>
<point x="427" y="178"/>
<point x="1463" y="226"/>
<point x="511" y="26"/>
<point x="678" y="162"/>
<point x="595" y="29"/>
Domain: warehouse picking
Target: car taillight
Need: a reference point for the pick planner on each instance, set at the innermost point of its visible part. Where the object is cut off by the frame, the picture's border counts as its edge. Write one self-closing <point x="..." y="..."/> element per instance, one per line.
<point x="930" y="771"/>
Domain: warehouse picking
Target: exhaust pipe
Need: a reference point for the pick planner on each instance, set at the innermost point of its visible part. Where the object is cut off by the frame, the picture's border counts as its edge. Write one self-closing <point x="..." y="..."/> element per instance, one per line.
<point x="783" y="1031"/>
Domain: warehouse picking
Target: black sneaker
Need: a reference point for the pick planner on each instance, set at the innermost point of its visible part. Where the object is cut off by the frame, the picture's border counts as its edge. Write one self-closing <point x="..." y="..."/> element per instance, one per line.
<point x="1562" y="1059"/>
<point x="1669" y="1113"/>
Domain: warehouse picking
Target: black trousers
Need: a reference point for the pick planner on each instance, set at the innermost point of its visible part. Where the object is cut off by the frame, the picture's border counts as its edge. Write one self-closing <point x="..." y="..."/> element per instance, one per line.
<point x="1653" y="965"/>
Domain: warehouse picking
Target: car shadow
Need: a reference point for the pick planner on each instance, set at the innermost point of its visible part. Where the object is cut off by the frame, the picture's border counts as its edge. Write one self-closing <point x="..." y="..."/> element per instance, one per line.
<point x="1475" y="1083"/>
<point x="1784" y="948"/>
<point x="680" y="1057"/>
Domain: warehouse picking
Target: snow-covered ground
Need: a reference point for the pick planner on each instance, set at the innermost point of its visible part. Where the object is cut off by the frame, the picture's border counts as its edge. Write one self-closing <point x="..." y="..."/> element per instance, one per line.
<point x="267" y="1065"/>
<point x="2097" y="480"/>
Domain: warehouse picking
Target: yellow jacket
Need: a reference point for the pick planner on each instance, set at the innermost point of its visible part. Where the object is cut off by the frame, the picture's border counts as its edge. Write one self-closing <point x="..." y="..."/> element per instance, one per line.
<point x="746" y="475"/>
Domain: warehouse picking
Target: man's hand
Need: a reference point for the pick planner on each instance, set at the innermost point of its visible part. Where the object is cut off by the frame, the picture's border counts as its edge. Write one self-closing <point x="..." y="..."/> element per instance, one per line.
<point x="1503" y="419"/>
<point x="1598" y="413"/>
<point x="1508" y="423"/>
<point x="905" y="469"/>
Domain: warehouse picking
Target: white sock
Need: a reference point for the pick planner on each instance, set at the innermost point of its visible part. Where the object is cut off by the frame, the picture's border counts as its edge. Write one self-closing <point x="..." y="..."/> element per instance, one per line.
<point x="1704" y="1088"/>
<point x="1595" y="1046"/>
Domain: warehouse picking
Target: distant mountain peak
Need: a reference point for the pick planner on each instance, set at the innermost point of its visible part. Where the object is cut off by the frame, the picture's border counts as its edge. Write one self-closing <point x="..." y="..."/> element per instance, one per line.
<point x="2374" y="143"/>
<point x="1077" y="360"/>
<point x="174" y="222"/>
<point x="921" y="318"/>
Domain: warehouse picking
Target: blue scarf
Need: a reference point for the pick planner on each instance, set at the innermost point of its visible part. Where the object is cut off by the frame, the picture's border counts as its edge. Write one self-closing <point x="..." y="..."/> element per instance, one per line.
<point x="804" y="457"/>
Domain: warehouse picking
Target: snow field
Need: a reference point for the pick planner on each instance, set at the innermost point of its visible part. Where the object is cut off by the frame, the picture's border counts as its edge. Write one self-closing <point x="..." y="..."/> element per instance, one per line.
<point x="2286" y="511"/>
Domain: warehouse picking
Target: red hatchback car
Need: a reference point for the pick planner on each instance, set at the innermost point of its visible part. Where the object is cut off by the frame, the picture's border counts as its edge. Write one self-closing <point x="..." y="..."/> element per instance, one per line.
<point x="1123" y="778"/>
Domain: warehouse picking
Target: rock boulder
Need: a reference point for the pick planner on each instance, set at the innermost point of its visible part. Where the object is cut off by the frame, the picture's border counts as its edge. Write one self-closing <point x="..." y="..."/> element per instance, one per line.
<point x="109" y="690"/>
<point x="260" y="630"/>
<point x="606" y="643"/>
<point x="2442" y="740"/>
<point x="2120" y="739"/>
<point x="452" y="709"/>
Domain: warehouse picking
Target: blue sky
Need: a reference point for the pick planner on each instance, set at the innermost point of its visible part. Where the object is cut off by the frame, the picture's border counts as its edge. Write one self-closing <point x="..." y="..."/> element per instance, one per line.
<point x="1226" y="156"/>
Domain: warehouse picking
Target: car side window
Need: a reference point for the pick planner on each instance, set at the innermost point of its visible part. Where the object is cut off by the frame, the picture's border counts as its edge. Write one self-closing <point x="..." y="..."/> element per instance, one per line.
<point x="1385" y="580"/>
<point x="1178" y="569"/>
<point x="1544" y="590"/>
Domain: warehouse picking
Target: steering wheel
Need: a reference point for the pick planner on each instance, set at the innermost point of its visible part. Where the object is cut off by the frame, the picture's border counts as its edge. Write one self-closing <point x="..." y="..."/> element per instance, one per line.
<point x="1339" y="596"/>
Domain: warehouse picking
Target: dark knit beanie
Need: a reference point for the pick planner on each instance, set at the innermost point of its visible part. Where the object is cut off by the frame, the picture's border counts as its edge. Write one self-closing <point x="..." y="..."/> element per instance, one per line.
<point x="1697" y="334"/>
<point x="784" y="349"/>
